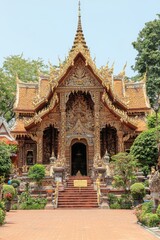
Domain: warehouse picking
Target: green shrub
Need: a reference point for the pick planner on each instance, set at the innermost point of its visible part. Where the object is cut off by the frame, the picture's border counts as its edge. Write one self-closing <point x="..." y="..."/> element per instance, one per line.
<point x="138" y="191"/>
<point x="37" y="173"/>
<point x="15" y="206"/>
<point x="147" y="207"/>
<point x="8" y="189"/>
<point x="28" y="202"/>
<point x="115" y="206"/>
<point x="2" y="205"/>
<point x="33" y="203"/>
<point x="144" y="214"/>
<point x="2" y="216"/>
<point x="112" y="198"/>
<point x="158" y="211"/>
<point x="150" y="219"/>
<point x="125" y="201"/>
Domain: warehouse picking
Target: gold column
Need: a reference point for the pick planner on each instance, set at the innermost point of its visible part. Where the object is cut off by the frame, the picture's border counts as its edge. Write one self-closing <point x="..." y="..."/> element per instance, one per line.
<point x="120" y="141"/>
<point x="21" y="157"/>
<point x="62" y="140"/>
<point x="96" y="126"/>
<point x="39" y="146"/>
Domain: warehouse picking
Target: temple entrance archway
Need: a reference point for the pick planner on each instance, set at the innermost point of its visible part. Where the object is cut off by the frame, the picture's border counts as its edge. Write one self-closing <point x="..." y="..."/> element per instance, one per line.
<point x="78" y="159"/>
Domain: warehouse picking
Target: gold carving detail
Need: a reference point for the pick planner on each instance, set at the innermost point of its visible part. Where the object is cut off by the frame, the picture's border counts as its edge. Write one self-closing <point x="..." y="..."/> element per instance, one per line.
<point x="122" y="114"/>
<point x="37" y="118"/>
<point x="80" y="107"/>
<point x="80" y="76"/>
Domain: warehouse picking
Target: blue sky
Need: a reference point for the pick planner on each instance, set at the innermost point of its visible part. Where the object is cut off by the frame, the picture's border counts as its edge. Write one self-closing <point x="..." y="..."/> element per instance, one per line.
<point x="46" y="28"/>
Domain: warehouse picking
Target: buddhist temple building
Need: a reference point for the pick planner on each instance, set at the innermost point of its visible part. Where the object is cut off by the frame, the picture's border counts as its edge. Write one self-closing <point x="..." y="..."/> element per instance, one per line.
<point x="78" y="112"/>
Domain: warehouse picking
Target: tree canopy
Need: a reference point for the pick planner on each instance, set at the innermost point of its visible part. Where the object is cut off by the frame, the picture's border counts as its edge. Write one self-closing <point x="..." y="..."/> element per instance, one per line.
<point x="16" y="67"/>
<point x="145" y="150"/>
<point x="153" y="121"/>
<point x="148" y="57"/>
<point x="5" y="160"/>
<point x="124" y="170"/>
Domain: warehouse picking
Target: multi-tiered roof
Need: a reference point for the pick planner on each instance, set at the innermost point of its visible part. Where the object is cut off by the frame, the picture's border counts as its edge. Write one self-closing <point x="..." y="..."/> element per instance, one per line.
<point x="124" y="98"/>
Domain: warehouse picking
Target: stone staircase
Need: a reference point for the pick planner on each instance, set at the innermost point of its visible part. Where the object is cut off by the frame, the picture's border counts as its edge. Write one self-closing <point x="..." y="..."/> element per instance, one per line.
<point x="75" y="197"/>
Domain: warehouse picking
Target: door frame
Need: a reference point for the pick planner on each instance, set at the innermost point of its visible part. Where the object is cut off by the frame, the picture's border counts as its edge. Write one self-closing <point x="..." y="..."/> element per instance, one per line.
<point x="74" y="141"/>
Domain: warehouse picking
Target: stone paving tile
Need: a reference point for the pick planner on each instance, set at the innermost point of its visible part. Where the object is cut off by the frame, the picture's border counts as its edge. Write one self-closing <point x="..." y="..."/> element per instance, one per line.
<point x="69" y="224"/>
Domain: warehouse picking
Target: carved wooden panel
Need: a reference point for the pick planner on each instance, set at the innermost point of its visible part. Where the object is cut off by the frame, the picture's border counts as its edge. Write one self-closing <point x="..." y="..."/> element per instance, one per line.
<point x="80" y="75"/>
<point x="80" y="107"/>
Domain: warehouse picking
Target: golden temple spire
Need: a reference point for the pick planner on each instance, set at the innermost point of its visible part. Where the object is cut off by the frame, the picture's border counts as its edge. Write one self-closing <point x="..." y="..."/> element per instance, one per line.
<point x="79" y="37"/>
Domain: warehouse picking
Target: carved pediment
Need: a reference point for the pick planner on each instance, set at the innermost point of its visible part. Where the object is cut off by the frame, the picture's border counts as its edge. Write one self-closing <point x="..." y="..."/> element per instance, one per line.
<point x="80" y="76"/>
<point x="80" y="106"/>
<point x="79" y="129"/>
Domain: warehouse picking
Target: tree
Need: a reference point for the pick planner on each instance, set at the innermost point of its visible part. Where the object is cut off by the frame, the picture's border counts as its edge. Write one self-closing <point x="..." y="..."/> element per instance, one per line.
<point x="5" y="160"/>
<point x="37" y="173"/>
<point x="148" y="57"/>
<point x="16" y="67"/>
<point x="152" y="121"/>
<point x="124" y="170"/>
<point x="145" y="150"/>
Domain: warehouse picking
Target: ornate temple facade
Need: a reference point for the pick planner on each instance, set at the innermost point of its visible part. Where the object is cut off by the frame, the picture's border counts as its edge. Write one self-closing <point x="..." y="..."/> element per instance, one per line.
<point x="78" y="112"/>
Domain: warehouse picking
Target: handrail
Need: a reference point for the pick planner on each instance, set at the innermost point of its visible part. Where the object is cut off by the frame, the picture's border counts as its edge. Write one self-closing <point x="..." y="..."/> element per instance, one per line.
<point x="98" y="191"/>
<point x="55" y="198"/>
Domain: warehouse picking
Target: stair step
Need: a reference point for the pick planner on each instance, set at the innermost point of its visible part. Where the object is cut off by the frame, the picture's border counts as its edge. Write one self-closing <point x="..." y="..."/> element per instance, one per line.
<point x="75" y="197"/>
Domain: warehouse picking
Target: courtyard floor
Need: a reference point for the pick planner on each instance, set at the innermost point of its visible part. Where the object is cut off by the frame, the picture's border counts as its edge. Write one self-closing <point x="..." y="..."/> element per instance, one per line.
<point x="92" y="224"/>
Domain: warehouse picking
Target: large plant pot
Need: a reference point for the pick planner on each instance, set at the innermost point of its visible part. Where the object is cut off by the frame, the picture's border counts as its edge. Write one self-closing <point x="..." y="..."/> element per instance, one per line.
<point x="8" y="206"/>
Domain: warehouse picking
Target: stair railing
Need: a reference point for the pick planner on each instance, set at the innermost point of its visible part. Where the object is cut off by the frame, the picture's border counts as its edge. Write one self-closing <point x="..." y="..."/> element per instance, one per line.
<point x="55" y="196"/>
<point x="98" y="191"/>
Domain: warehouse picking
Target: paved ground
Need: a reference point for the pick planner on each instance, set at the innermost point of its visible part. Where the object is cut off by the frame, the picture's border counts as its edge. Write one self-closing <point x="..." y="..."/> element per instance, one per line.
<point x="73" y="225"/>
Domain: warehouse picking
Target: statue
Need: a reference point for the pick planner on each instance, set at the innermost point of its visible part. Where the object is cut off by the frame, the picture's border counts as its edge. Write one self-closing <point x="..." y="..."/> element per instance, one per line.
<point x="154" y="184"/>
<point x="53" y="157"/>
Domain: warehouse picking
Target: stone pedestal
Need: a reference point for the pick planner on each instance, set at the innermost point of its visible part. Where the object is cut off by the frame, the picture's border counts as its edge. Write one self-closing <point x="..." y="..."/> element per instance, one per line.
<point x="100" y="171"/>
<point x="59" y="174"/>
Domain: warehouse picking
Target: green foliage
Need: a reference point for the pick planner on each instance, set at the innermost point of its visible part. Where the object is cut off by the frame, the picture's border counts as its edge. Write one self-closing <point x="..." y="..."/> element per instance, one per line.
<point x="138" y="191"/>
<point x="151" y="121"/>
<point x="2" y="216"/>
<point x="5" y="161"/>
<point x="147" y="207"/>
<point x="150" y="219"/>
<point x="37" y="173"/>
<point x="27" y="202"/>
<point x="123" y="202"/>
<point x="144" y="148"/>
<point x="142" y="210"/>
<point x="2" y="205"/>
<point x="14" y="67"/>
<point x="112" y="198"/>
<point x="148" y="57"/>
<point x="8" y="189"/>
<point x="115" y="205"/>
<point x="14" y="206"/>
<point x="124" y="170"/>
<point x="158" y="211"/>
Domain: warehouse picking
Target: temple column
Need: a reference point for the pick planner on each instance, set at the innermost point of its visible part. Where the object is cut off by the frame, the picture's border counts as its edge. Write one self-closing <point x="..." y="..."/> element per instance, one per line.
<point x="96" y="126"/>
<point x="62" y="135"/>
<point x="39" y="147"/>
<point x="120" y="141"/>
<point x="21" y="156"/>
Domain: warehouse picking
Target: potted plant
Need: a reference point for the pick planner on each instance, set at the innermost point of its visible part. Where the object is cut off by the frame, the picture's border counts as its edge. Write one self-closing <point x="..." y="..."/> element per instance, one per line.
<point x="37" y="173"/>
<point x="138" y="192"/>
<point x="8" y="192"/>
